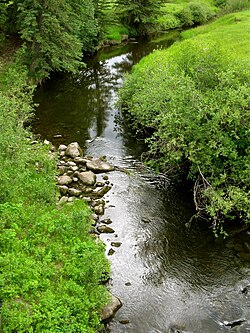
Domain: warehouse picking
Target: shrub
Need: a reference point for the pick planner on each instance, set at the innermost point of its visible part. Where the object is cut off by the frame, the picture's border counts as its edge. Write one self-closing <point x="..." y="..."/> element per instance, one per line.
<point x="195" y="13"/>
<point x="195" y="98"/>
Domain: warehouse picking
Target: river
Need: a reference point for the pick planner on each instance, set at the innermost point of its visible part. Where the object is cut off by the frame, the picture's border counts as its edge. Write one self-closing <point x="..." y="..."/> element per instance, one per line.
<point x="169" y="278"/>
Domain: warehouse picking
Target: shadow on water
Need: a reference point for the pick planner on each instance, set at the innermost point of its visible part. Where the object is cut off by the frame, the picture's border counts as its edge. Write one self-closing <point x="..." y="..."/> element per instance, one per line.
<point x="170" y="279"/>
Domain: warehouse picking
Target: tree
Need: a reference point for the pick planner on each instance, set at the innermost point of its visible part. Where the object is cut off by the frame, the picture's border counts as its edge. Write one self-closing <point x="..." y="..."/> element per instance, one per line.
<point x="54" y="33"/>
<point x="139" y="14"/>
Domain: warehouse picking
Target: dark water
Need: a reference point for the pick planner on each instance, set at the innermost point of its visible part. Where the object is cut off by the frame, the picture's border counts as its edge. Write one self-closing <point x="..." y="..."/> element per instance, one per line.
<point x="169" y="279"/>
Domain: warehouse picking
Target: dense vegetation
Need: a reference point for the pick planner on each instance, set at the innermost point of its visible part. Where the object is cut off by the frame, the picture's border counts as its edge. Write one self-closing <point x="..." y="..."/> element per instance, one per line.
<point x="52" y="270"/>
<point x="194" y="98"/>
<point x="44" y="29"/>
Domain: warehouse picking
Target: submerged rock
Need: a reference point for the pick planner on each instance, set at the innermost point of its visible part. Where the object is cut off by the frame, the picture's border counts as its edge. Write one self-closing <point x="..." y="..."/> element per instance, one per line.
<point x="108" y="312"/>
<point x="105" y="229"/>
<point x="99" y="166"/>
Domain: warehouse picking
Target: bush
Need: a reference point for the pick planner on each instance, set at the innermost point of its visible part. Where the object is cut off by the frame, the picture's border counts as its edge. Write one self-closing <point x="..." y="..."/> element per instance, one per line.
<point x="195" y="98"/>
<point x="195" y="13"/>
<point x="231" y="6"/>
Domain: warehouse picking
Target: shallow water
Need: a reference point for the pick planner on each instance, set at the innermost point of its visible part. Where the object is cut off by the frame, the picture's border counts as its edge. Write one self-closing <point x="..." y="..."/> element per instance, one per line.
<point x="169" y="279"/>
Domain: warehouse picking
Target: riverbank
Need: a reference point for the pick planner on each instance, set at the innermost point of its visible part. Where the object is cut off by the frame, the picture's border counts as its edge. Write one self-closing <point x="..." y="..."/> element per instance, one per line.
<point x="200" y="126"/>
<point x="52" y="270"/>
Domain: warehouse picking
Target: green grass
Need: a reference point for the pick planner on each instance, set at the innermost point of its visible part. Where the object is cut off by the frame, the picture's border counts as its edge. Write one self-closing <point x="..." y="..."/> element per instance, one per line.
<point x="170" y="12"/>
<point x="115" y="32"/>
<point x="232" y="29"/>
<point x="52" y="270"/>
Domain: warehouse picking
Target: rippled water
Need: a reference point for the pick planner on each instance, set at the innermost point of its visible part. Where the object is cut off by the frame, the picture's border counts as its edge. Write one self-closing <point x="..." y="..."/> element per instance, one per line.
<point x="169" y="278"/>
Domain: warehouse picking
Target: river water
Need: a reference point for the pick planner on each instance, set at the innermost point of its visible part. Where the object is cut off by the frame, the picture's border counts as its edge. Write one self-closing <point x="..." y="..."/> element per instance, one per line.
<point x="169" y="278"/>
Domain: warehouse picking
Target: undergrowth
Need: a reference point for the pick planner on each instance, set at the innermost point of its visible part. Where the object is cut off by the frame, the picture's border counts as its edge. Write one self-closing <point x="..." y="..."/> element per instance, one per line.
<point x="52" y="270"/>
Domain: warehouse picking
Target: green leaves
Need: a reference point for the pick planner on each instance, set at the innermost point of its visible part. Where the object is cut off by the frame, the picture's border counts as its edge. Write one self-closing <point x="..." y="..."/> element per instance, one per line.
<point x="195" y="98"/>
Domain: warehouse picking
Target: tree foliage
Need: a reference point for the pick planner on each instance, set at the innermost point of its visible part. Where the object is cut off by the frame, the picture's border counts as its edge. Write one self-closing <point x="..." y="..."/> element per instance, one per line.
<point x="195" y="98"/>
<point x="139" y="14"/>
<point x="54" y="33"/>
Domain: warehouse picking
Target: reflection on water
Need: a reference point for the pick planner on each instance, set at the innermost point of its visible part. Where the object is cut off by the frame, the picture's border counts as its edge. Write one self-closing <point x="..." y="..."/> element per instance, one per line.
<point x="169" y="278"/>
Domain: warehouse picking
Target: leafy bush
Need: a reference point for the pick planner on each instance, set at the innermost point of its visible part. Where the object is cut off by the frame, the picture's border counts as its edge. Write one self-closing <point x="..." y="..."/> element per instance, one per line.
<point x="195" y="98"/>
<point x="235" y="5"/>
<point x="195" y="13"/>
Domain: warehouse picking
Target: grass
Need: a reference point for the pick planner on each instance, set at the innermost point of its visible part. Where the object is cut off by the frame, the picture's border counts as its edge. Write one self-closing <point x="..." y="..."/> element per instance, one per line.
<point x="233" y="29"/>
<point x="52" y="270"/>
<point x="115" y="32"/>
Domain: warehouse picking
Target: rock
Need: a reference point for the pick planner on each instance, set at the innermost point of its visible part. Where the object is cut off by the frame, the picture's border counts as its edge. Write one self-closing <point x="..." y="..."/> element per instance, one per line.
<point x="74" y="192"/>
<point x="234" y="323"/>
<point x="124" y="321"/>
<point x="63" y="200"/>
<point x="62" y="148"/>
<point x="128" y="284"/>
<point x="80" y="160"/>
<point x="105" y="229"/>
<point x="87" y="177"/>
<point x="57" y="136"/>
<point x="74" y="150"/>
<point x="100" y="193"/>
<point x="71" y="163"/>
<point x="116" y="244"/>
<point x="62" y="169"/>
<point x="95" y="217"/>
<point x="71" y="199"/>
<point x="111" y="252"/>
<point x="74" y="168"/>
<point x="46" y="142"/>
<point x="106" y="221"/>
<point x="124" y="37"/>
<point x="62" y="153"/>
<point x="99" y="166"/>
<point x="110" y="310"/>
<point x="100" y="184"/>
<point x="99" y="210"/>
<point x="105" y="177"/>
<point x="63" y="189"/>
<point x="64" y="180"/>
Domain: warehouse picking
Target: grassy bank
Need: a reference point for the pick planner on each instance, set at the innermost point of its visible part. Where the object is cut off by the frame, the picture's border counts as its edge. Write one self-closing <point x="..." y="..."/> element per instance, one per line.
<point x="194" y="98"/>
<point x="51" y="268"/>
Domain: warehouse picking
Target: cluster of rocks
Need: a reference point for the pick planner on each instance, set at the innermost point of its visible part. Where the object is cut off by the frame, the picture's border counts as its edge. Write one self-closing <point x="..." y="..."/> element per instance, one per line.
<point x="77" y="179"/>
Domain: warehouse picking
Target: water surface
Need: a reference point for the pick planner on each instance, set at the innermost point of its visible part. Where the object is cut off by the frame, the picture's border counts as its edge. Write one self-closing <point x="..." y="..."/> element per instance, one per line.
<point x="169" y="279"/>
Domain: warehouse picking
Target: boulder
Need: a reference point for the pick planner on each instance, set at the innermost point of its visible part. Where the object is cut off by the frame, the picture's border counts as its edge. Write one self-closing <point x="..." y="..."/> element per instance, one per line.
<point x="99" y="209"/>
<point x="100" y="193"/>
<point x="105" y="229"/>
<point x="87" y="178"/>
<point x="63" y="189"/>
<point x="63" y="200"/>
<point x="73" y="150"/>
<point x="62" y="147"/>
<point x="74" y="192"/>
<point x="116" y="244"/>
<point x="108" y="312"/>
<point x="64" y="180"/>
<point x="99" y="166"/>
<point x="80" y="160"/>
